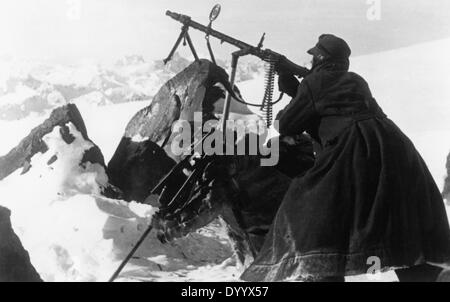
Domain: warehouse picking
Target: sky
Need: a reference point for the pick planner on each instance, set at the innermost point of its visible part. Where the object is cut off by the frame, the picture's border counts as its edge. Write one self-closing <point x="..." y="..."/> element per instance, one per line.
<point x="67" y="31"/>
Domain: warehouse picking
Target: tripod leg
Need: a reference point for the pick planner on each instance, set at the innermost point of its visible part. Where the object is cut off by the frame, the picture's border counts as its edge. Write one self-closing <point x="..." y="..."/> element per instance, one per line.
<point x="177" y="43"/>
<point x="130" y="254"/>
<point x="226" y="107"/>
<point x="191" y="46"/>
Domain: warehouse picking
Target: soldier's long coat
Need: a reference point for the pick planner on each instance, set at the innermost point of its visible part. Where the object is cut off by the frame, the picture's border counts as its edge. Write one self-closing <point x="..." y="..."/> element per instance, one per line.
<point x="368" y="194"/>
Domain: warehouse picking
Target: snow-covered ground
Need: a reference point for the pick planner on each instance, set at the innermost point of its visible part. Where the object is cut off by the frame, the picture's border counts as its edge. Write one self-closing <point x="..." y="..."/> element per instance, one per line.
<point x="72" y="233"/>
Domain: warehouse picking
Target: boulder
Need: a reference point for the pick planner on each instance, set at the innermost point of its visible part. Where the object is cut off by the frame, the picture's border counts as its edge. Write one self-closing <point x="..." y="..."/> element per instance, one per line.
<point x="137" y="167"/>
<point x="144" y="155"/>
<point x="15" y="265"/>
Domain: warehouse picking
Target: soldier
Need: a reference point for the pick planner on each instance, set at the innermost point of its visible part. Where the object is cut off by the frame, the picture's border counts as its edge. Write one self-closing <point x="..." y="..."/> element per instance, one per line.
<point x="368" y="202"/>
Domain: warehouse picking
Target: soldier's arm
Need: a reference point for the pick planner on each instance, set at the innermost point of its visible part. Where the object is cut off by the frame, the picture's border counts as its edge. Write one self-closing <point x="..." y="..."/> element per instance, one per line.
<point x="298" y="114"/>
<point x="288" y="84"/>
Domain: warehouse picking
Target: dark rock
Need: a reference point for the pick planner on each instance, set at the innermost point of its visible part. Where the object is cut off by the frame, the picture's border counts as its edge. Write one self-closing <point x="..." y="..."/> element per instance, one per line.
<point x="93" y="155"/>
<point x="66" y="135"/>
<point x="137" y="167"/>
<point x="19" y="157"/>
<point x="144" y="155"/>
<point x="49" y="162"/>
<point x="446" y="191"/>
<point x="15" y="265"/>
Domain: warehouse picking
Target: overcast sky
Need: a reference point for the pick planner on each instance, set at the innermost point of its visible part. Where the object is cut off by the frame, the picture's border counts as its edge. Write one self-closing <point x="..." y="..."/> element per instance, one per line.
<point x="70" y="30"/>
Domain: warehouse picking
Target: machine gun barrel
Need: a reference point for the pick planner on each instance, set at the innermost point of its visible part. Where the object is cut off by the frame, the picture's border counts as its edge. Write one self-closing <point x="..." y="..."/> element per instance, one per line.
<point x="187" y="21"/>
<point x="264" y="54"/>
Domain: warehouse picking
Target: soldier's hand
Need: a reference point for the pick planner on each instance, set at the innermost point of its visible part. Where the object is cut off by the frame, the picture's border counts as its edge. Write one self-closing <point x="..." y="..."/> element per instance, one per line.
<point x="282" y="65"/>
<point x="288" y="84"/>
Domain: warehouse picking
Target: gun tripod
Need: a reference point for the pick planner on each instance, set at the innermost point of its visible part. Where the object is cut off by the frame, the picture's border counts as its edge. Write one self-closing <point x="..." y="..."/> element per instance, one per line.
<point x="184" y="35"/>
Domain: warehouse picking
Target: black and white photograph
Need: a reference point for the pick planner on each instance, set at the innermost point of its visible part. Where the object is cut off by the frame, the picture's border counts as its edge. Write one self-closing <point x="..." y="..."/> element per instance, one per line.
<point x="225" y="145"/>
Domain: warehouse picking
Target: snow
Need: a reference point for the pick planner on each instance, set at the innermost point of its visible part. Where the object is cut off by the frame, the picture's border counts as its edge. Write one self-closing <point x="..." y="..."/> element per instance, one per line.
<point x="22" y="92"/>
<point x="74" y="234"/>
<point x="56" y="215"/>
<point x="139" y="139"/>
<point x="78" y="75"/>
<point x="106" y="124"/>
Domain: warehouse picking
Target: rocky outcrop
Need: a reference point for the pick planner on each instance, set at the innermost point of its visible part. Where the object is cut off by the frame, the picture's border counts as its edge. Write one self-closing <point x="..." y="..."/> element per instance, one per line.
<point x="15" y="265"/>
<point x="137" y="167"/>
<point x="446" y="191"/>
<point x="144" y="155"/>
<point x="19" y="157"/>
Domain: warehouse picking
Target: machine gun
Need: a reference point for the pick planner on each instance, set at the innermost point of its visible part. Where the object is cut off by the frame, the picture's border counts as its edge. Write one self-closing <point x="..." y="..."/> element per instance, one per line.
<point x="267" y="55"/>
